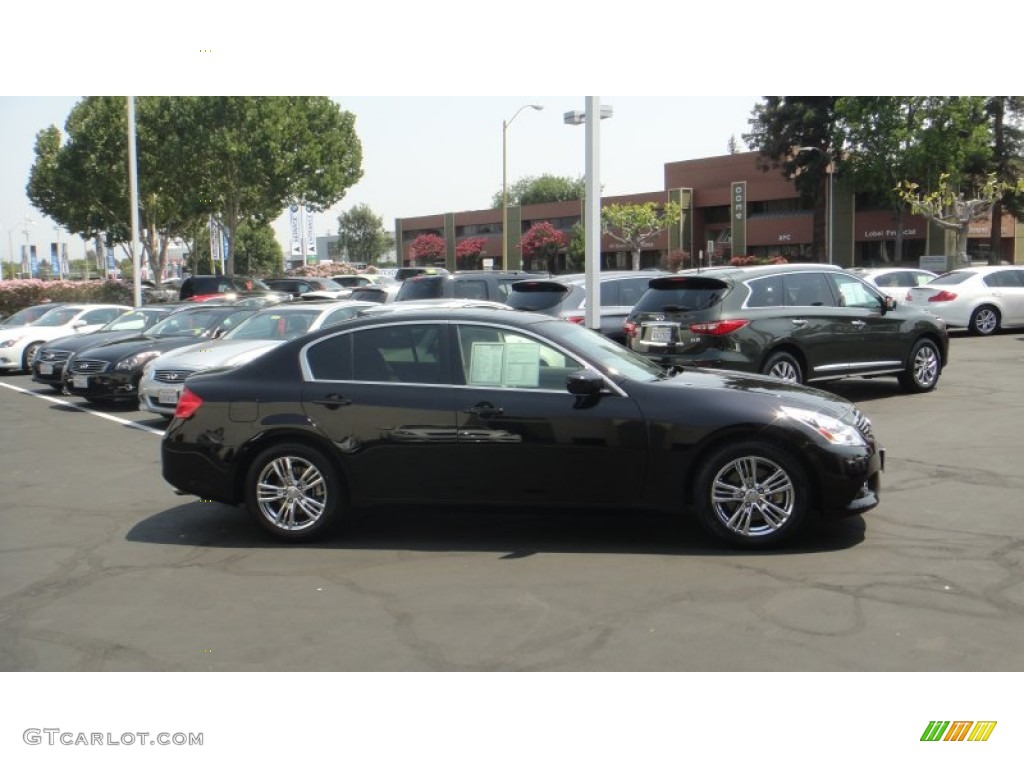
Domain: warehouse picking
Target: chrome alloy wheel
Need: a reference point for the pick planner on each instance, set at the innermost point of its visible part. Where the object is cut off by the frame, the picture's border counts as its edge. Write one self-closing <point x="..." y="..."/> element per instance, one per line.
<point x="926" y="366"/>
<point x="753" y="496"/>
<point x="291" y="493"/>
<point x="784" y="368"/>
<point x="985" y="320"/>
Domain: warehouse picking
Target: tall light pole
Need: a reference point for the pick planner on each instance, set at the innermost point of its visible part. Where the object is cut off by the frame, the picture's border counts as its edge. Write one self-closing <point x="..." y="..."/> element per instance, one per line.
<point x="593" y="116"/>
<point x="504" y="180"/>
<point x="830" y="170"/>
<point x="27" y="222"/>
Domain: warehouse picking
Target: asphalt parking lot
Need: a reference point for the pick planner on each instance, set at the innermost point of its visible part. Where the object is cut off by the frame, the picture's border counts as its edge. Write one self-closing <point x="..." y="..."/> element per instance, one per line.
<point x="104" y="568"/>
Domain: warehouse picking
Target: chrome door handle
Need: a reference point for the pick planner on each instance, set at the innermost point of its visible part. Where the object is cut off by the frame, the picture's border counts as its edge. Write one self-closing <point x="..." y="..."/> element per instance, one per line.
<point x="858" y="323"/>
<point x="333" y="400"/>
<point x="801" y="323"/>
<point x="485" y="410"/>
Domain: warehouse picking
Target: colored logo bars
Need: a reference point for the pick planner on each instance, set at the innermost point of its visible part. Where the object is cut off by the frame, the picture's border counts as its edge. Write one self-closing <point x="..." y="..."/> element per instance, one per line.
<point x="958" y="730"/>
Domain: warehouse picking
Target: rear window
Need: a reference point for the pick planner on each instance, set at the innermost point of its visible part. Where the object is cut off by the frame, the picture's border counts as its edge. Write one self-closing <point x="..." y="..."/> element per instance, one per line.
<point x="951" y="278"/>
<point x="421" y="288"/>
<point x="682" y="294"/>
<point x="536" y="295"/>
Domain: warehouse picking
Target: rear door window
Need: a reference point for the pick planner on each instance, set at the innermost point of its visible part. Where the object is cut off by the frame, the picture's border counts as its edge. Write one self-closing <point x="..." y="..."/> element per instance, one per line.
<point x="808" y="289"/>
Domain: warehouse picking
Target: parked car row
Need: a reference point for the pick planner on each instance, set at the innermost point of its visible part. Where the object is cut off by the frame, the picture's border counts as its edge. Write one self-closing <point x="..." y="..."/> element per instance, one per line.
<point x="304" y="410"/>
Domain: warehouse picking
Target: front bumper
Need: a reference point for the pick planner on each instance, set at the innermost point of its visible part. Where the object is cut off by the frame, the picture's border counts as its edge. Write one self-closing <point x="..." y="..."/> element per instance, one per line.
<point x="110" y="385"/>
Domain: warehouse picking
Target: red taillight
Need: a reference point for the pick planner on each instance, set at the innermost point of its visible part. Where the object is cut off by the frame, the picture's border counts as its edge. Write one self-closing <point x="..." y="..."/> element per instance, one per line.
<point x="720" y="328"/>
<point x="630" y="328"/>
<point x="578" y="319"/>
<point x="188" y="404"/>
<point x="942" y="296"/>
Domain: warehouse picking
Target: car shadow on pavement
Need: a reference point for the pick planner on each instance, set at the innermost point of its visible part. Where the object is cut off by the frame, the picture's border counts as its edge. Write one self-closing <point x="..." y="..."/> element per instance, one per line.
<point x="510" y="534"/>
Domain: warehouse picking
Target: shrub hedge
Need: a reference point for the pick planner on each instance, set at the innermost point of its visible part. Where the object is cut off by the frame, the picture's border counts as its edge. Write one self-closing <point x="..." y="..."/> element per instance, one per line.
<point x="18" y="294"/>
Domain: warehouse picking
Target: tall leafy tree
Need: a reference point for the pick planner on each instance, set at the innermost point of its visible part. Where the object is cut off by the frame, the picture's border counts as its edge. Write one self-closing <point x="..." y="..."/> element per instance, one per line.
<point x="255" y="155"/>
<point x="541" y="245"/>
<point x="779" y="125"/>
<point x="892" y="139"/>
<point x="363" y="234"/>
<point x="467" y="252"/>
<point x="531" y="190"/>
<point x="1005" y="114"/>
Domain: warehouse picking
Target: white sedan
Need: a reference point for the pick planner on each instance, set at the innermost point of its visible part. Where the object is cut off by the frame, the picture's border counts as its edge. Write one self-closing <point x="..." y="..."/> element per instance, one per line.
<point x="163" y="378"/>
<point x="981" y="299"/>
<point x="19" y="345"/>
<point x="894" y="281"/>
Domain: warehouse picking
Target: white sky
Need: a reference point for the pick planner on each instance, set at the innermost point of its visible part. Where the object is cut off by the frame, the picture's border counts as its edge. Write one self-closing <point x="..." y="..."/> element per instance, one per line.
<point x="684" y="71"/>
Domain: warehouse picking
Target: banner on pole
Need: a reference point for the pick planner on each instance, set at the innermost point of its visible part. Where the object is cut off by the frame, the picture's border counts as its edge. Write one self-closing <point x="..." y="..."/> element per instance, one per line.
<point x="310" y="237"/>
<point x="295" y="217"/>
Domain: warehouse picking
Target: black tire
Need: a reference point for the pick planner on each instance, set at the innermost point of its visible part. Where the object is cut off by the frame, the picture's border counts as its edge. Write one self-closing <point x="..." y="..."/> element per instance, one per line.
<point x="923" y="368"/>
<point x="752" y="494"/>
<point x="985" y="320"/>
<point x="782" y="365"/>
<point x="57" y="388"/>
<point x="293" y="492"/>
<point x="30" y="352"/>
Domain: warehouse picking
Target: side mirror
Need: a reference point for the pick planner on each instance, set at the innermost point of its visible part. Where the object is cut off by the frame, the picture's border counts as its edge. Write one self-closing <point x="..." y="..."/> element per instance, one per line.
<point x="888" y="304"/>
<point x="584" y="382"/>
<point x="78" y="324"/>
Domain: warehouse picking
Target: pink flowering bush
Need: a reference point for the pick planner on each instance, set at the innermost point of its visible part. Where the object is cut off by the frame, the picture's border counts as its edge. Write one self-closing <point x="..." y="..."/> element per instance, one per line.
<point x="18" y="294"/>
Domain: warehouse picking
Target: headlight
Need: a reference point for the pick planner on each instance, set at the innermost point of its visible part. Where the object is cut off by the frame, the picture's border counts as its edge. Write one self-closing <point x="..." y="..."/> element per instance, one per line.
<point x="10" y="342"/>
<point x="832" y="430"/>
<point x="136" y="361"/>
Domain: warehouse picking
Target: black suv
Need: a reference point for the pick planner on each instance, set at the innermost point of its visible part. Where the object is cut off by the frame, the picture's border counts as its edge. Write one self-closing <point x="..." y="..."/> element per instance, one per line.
<point x="799" y="322"/>
<point x="484" y="284"/>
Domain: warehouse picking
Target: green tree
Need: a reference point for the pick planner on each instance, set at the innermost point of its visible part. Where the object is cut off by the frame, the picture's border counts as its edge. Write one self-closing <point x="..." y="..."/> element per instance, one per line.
<point x="779" y="125"/>
<point x="363" y="235"/>
<point x="1005" y="114"/>
<point x="531" y="190"/>
<point x="253" y="156"/>
<point x="889" y="139"/>
<point x="636" y="226"/>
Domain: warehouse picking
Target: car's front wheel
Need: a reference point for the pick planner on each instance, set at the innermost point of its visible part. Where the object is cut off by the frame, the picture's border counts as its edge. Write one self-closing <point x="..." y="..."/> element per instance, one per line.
<point x="984" y="321"/>
<point x="753" y="494"/>
<point x="923" y="369"/>
<point x="783" y="365"/>
<point x="293" y="491"/>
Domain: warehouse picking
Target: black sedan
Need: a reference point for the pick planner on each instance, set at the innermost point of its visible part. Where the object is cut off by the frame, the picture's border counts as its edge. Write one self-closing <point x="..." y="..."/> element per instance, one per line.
<point x="48" y="364"/>
<point x="106" y="373"/>
<point x="480" y="406"/>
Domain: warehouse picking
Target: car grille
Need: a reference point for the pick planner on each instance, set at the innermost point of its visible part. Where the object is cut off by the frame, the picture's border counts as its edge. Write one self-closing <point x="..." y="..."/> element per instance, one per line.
<point x="862" y="422"/>
<point x="54" y="355"/>
<point x="89" y="366"/>
<point x="172" y="375"/>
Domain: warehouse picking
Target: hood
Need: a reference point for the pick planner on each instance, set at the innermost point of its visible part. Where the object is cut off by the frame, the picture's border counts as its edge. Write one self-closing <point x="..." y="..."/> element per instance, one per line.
<point x="81" y="341"/>
<point x="216" y="353"/>
<point x="762" y="387"/>
<point x="118" y="350"/>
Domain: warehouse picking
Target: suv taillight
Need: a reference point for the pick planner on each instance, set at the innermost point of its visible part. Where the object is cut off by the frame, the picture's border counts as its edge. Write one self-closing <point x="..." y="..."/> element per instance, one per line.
<point x="188" y="404"/>
<point x="630" y="328"/>
<point x="719" y="328"/>
<point x="577" y="319"/>
<point x="942" y="296"/>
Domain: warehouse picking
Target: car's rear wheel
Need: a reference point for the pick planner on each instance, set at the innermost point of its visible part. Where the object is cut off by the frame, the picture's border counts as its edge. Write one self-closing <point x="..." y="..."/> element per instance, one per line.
<point x="293" y="491"/>
<point x="985" y="321"/>
<point x="925" y="365"/>
<point x="753" y="494"/>
<point x="783" y="365"/>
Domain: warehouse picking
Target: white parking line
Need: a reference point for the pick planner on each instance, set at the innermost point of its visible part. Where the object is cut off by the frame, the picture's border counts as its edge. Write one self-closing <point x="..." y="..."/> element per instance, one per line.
<point x="124" y="422"/>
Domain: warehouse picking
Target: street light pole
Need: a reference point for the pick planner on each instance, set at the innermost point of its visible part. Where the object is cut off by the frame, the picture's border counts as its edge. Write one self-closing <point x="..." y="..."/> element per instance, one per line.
<point x="592" y="118"/>
<point x="830" y="170"/>
<point x="504" y="180"/>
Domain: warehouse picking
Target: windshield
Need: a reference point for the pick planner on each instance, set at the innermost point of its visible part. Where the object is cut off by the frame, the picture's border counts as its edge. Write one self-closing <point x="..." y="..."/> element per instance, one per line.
<point x="57" y="317"/>
<point x="273" y="325"/>
<point x="130" y="321"/>
<point x="951" y="278"/>
<point x="615" y="358"/>
<point x="27" y="315"/>
<point x="184" y="324"/>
